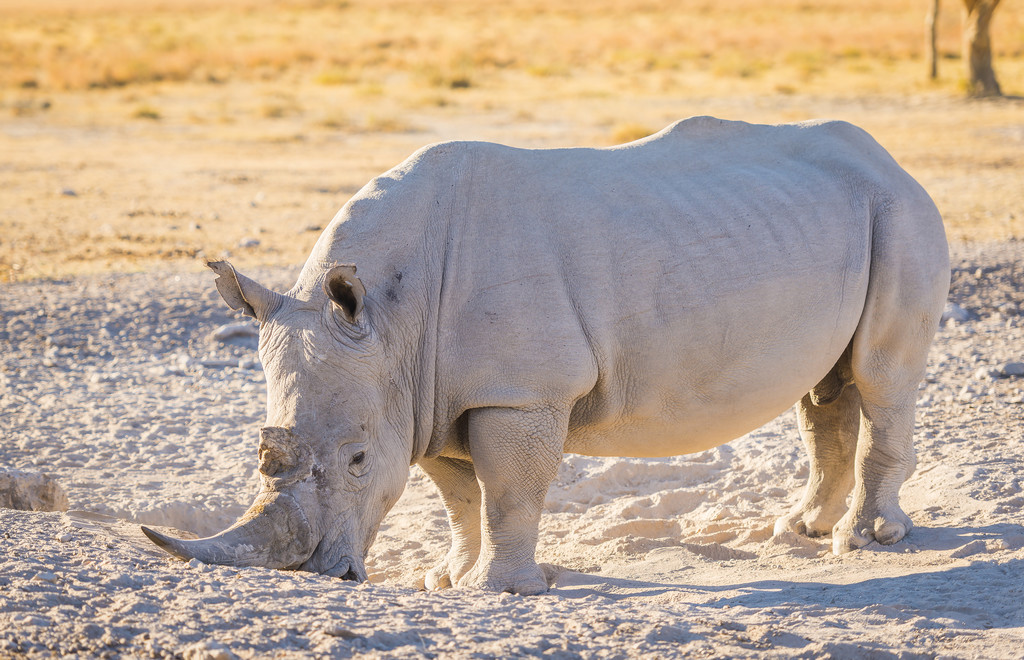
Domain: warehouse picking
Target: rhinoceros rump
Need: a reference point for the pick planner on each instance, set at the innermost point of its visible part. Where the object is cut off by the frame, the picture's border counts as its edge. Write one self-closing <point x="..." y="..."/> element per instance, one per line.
<point x="651" y="299"/>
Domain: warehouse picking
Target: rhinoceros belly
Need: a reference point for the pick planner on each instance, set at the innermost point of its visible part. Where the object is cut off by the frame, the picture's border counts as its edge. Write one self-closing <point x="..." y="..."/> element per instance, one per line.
<point x="685" y="372"/>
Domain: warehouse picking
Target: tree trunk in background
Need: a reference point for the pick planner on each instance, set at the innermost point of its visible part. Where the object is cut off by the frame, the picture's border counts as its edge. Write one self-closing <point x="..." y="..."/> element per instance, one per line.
<point x="929" y="24"/>
<point x="981" y="79"/>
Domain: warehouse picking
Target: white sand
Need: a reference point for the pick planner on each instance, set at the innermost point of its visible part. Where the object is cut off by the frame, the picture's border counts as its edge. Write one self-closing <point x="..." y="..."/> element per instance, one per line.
<point x="113" y="385"/>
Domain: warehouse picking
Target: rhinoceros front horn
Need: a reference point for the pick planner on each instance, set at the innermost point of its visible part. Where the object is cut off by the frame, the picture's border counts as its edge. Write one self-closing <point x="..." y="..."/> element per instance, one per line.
<point x="273" y="533"/>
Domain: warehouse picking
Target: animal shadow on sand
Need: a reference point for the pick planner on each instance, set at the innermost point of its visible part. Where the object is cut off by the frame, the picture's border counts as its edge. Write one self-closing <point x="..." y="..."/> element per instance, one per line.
<point x="982" y="595"/>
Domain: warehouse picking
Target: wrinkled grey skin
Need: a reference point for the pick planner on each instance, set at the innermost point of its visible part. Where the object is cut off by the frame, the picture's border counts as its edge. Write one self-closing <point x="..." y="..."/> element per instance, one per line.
<point x="652" y="299"/>
<point x="325" y="486"/>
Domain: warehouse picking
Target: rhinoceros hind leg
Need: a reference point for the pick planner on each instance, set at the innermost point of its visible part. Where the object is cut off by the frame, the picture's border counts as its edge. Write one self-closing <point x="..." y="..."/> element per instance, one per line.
<point x="905" y="298"/>
<point x="829" y="431"/>
<point x="516" y="453"/>
<point x="456" y="480"/>
<point x="885" y="459"/>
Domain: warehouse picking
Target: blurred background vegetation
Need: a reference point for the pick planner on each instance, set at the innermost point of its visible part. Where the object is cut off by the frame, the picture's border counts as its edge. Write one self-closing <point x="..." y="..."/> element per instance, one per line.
<point x="692" y="46"/>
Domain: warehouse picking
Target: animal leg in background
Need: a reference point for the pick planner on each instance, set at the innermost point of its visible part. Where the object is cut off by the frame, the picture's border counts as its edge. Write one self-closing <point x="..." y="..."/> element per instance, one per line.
<point x="456" y="481"/>
<point x="829" y="431"/>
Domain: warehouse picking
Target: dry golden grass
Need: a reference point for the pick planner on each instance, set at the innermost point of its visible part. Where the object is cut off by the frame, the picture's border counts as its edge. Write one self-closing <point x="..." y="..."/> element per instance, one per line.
<point x="186" y="126"/>
<point x="58" y="44"/>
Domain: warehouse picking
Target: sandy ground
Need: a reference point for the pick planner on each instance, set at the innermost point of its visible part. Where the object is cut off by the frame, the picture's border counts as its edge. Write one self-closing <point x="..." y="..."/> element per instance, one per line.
<point x="113" y="384"/>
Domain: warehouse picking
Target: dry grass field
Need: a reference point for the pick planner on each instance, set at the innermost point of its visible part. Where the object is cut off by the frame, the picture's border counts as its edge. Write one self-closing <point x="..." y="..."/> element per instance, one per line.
<point x="140" y="135"/>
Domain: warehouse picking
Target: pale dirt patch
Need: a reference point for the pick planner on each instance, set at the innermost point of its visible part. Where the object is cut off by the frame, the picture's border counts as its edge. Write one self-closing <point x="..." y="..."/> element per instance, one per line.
<point x="88" y="187"/>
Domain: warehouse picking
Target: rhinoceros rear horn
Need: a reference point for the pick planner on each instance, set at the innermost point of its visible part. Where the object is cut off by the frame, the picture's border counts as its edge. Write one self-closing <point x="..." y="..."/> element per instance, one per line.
<point x="243" y="294"/>
<point x="345" y="290"/>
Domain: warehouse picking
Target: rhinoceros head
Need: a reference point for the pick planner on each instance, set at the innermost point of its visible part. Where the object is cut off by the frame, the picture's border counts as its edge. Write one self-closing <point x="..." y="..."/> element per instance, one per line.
<point x="334" y="452"/>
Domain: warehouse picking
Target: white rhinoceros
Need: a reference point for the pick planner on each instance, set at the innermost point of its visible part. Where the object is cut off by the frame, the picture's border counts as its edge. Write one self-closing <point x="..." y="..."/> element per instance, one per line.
<point x="651" y="299"/>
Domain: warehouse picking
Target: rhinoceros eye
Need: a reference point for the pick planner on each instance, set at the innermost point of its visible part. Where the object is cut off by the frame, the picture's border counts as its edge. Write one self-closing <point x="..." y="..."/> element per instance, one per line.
<point x="358" y="457"/>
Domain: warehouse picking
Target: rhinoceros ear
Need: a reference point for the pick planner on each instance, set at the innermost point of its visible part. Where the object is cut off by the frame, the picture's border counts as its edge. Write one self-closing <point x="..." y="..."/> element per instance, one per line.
<point x="345" y="290"/>
<point x="243" y="294"/>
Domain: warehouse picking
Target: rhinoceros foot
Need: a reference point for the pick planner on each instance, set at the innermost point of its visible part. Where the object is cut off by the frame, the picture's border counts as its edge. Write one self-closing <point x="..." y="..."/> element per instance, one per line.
<point x="448" y="573"/>
<point x="525" y="580"/>
<point x="807" y="522"/>
<point x="853" y="531"/>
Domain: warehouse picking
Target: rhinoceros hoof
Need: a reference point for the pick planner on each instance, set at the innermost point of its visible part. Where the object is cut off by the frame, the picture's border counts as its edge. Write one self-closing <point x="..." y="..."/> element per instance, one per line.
<point x="805" y="523"/>
<point x="526" y="580"/>
<point x="437" y="578"/>
<point x="448" y="572"/>
<point x="852" y="534"/>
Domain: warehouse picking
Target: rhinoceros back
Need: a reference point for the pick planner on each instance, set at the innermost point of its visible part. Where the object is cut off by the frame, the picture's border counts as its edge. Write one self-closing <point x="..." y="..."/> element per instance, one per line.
<point x="679" y="291"/>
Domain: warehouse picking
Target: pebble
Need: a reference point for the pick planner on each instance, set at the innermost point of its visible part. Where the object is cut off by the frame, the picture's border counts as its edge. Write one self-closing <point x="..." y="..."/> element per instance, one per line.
<point x="1012" y="369"/>
<point x="1006" y="370"/>
<point x="169" y="429"/>
<point x="340" y="631"/>
<point x="207" y="650"/>
<point x="218" y="363"/>
<point x="954" y="312"/>
<point x="232" y="330"/>
<point x="45" y="576"/>
<point x="26" y="620"/>
<point x="1008" y="310"/>
<point x="249" y="243"/>
<point x="987" y="373"/>
<point x="184" y="362"/>
<point x="108" y="377"/>
<point x="241" y="334"/>
<point x="968" y="393"/>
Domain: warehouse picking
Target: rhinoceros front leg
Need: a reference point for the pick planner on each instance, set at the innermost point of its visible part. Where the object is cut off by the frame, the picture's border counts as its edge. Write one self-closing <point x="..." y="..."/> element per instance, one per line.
<point x="456" y="480"/>
<point x="515" y="453"/>
<point x="829" y="431"/>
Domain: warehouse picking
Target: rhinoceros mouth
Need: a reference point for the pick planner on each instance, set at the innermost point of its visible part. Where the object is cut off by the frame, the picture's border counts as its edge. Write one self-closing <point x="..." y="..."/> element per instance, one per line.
<point x="333" y="559"/>
<point x="347" y="570"/>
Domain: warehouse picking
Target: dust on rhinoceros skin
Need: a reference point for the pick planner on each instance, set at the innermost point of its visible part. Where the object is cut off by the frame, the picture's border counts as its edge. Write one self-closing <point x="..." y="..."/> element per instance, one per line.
<point x="651" y="299"/>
